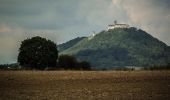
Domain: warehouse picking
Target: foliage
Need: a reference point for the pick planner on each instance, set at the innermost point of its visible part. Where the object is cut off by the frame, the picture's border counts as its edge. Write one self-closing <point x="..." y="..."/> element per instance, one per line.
<point x="70" y="62"/>
<point x="67" y="62"/>
<point x="38" y="53"/>
<point x="69" y="44"/>
<point x="120" y="48"/>
<point x="13" y="66"/>
<point x="167" y="67"/>
<point x="84" y="65"/>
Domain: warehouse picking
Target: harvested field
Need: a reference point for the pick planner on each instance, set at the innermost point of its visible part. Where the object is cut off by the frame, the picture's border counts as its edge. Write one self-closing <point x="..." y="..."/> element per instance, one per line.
<point x="84" y="85"/>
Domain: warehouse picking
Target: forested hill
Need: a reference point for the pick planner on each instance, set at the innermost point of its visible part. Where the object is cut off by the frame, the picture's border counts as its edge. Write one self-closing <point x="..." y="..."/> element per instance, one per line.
<point x="119" y="48"/>
<point x="69" y="44"/>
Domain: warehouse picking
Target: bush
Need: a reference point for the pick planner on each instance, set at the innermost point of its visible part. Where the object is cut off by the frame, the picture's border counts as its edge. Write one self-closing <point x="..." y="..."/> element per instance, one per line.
<point x="67" y="62"/>
<point x="84" y="65"/>
<point x="70" y="62"/>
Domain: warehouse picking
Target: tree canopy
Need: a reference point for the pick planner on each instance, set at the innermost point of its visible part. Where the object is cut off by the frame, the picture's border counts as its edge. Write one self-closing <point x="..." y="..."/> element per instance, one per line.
<point x="67" y="62"/>
<point x="38" y="53"/>
<point x="70" y="62"/>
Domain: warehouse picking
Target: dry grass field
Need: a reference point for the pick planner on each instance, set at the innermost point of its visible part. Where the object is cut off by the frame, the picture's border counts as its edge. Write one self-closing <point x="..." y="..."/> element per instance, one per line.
<point x="84" y="85"/>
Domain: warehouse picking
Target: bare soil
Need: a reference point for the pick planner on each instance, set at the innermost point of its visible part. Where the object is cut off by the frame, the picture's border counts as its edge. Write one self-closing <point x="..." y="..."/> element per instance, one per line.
<point x="84" y="85"/>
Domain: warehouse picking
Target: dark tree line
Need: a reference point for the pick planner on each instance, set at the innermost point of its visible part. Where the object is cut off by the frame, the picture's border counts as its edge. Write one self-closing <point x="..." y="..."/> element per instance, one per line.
<point x="40" y="53"/>
<point x="70" y="62"/>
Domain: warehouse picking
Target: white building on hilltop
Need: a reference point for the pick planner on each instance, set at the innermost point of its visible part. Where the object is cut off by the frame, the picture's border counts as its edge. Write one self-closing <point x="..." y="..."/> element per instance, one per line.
<point x="115" y="25"/>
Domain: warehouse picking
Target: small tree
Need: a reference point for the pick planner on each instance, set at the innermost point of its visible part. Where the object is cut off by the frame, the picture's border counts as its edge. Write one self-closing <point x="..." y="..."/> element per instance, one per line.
<point x="84" y="65"/>
<point x="38" y="53"/>
<point x="70" y="62"/>
<point x="67" y="62"/>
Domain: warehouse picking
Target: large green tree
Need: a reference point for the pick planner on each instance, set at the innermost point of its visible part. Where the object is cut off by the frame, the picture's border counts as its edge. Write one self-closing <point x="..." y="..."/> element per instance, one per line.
<point x="38" y="53"/>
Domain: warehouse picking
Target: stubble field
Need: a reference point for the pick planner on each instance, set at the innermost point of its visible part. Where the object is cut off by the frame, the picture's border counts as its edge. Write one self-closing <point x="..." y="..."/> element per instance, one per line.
<point x="84" y="85"/>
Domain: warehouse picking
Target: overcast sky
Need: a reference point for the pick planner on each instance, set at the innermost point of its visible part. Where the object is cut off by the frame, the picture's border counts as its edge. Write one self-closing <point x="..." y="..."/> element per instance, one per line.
<point x="62" y="20"/>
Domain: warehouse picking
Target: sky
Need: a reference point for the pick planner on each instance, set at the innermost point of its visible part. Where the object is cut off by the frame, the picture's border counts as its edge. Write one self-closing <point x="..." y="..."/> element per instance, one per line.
<point x="62" y="20"/>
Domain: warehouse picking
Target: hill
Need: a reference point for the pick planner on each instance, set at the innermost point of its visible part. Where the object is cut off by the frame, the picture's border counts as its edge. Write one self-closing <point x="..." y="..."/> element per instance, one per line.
<point x="69" y="44"/>
<point x="119" y="48"/>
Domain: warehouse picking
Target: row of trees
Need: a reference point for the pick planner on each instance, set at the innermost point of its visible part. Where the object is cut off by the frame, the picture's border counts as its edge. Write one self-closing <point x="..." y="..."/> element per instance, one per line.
<point x="40" y="53"/>
<point x="70" y="62"/>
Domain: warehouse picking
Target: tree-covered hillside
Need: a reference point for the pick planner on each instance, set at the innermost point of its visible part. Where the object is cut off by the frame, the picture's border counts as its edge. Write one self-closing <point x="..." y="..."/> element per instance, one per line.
<point x="121" y="47"/>
<point x="69" y="44"/>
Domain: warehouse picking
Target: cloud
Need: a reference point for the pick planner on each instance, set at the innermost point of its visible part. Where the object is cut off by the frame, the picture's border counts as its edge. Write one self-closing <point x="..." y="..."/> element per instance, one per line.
<point x="62" y="20"/>
<point x="151" y="15"/>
